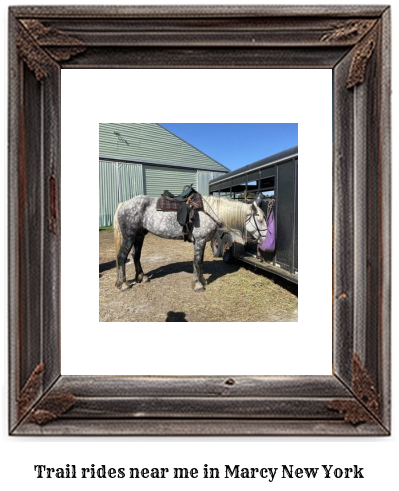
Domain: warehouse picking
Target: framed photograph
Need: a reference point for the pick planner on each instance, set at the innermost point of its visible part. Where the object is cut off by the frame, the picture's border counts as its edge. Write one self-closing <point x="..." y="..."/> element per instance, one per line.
<point x="353" y="44"/>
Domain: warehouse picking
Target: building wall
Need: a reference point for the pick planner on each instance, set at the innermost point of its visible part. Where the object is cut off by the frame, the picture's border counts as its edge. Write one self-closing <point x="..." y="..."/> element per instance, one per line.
<point x="118" y="182"/>
<point x="157" y="179"/>
<point x="145" y="158"/>
<point x="203" y="178"/>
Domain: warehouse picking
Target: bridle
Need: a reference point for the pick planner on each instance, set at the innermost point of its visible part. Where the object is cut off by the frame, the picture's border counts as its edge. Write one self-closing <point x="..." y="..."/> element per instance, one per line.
<point x="248" y="220"/>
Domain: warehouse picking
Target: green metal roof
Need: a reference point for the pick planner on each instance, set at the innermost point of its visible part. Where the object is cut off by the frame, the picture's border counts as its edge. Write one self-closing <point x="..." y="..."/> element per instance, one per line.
<point x="151" y="143"/>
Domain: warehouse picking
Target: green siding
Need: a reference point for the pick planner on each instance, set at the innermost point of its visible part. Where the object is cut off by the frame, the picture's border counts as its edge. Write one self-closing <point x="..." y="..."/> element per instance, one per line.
<point x="130" y="181"/>
<point x="108" y="199"/>
<point x="150" y="142"/>
<point x="203" y="178"/>
<point x="118" y="182"/>
<point x="157" y="179"/>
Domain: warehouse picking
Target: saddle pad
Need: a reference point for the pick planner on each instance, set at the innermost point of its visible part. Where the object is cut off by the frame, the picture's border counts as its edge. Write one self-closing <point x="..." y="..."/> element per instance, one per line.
<point x="196" y="200"/>
<point x="164" y="204"/>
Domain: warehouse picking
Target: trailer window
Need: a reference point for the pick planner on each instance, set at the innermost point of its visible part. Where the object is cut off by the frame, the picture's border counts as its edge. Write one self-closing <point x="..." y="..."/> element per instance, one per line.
<point x="267" y="183"/>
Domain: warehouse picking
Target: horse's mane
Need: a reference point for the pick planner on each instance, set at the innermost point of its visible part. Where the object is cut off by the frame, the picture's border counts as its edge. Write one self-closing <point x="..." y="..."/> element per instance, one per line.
<point x="232" y="213"/>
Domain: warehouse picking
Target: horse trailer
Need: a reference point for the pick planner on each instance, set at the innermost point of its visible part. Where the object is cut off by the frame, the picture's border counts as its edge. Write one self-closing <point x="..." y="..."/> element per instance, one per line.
<point x="274" y="182"/>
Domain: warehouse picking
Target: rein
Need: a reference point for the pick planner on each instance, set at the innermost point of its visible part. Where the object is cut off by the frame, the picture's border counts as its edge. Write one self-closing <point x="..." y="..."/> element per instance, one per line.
<point x="248" y="220"/>
<point x="218" y="222"/>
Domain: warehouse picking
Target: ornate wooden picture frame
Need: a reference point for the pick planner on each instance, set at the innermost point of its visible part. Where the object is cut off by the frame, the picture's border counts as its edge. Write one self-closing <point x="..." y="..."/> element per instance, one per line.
<point x="354" y="42"/>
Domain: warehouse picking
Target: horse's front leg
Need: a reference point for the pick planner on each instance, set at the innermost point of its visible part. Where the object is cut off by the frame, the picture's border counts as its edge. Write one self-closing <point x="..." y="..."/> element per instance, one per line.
<point x="202" y="279"/>
<point x="198" y="279"/>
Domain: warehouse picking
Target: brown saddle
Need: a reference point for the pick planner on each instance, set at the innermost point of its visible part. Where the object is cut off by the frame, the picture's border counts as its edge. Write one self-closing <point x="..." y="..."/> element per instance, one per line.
<point x="186" y="206"/>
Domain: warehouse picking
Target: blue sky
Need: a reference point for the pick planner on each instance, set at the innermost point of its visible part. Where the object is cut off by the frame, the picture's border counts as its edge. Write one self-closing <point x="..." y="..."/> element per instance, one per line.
<point x="237" y="144"/>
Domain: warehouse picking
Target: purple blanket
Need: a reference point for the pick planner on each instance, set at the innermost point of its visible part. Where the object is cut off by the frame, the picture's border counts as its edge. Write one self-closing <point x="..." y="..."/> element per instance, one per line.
<point x="269" y="244"/>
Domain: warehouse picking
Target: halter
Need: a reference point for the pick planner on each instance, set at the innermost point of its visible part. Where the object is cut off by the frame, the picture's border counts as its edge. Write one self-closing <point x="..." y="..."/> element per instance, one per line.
<point x="248" y="220"/>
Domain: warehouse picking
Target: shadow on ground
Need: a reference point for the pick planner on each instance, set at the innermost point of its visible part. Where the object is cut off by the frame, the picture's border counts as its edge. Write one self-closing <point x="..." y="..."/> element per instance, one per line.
<point x="214" y="269"/>
<point x="176" y="317"/>
<point x="107" y="266"/>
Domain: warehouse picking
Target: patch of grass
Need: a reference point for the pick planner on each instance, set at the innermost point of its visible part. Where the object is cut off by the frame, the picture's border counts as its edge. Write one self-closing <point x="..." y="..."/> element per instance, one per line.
<point x="103" y="229"/>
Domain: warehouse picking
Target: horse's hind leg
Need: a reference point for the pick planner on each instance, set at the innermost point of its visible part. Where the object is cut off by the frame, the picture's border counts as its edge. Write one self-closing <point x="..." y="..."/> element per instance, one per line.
<point x="121" y="259"/>
<point x="138" y="245"/>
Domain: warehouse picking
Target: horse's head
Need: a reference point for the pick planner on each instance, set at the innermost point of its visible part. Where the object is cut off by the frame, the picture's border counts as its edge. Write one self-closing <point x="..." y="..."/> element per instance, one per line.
<point x="256" y="223"/>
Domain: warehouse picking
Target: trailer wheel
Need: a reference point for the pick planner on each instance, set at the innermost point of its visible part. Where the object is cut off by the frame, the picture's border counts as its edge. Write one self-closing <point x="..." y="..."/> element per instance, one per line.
<point x="216" y="246"/>
<point x="228" y="248"/>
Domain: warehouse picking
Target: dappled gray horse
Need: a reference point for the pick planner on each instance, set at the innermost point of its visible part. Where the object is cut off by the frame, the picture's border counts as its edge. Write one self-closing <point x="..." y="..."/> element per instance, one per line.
<point x="135" y="218"/>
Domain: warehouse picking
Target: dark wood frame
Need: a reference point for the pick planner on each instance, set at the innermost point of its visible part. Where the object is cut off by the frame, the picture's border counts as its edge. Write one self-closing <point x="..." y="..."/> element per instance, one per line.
<point x="353" y="41"/>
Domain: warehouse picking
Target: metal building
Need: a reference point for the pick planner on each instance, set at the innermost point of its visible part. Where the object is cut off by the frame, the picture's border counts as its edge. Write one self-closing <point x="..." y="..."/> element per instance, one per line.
<point x="145" y="158"/>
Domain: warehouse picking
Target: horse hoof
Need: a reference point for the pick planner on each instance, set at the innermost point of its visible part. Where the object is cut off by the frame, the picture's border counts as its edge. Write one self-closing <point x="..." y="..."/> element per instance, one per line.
<point x="142" y="278"/>
<point x="199" y="287"/>
<point x="126" y="286"/>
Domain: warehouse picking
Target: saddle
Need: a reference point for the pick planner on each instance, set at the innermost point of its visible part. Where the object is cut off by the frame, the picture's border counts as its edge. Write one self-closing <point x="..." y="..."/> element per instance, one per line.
<point x="186" y="206"/>
<point x="187" y="191"/>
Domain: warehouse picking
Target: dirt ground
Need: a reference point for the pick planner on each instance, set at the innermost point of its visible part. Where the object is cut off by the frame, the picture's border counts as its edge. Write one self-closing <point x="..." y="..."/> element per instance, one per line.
<point x="234" y="293"/>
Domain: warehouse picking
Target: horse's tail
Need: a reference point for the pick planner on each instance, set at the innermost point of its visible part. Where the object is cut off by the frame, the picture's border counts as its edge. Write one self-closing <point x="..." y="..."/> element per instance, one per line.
<point x="117" y="233"/>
